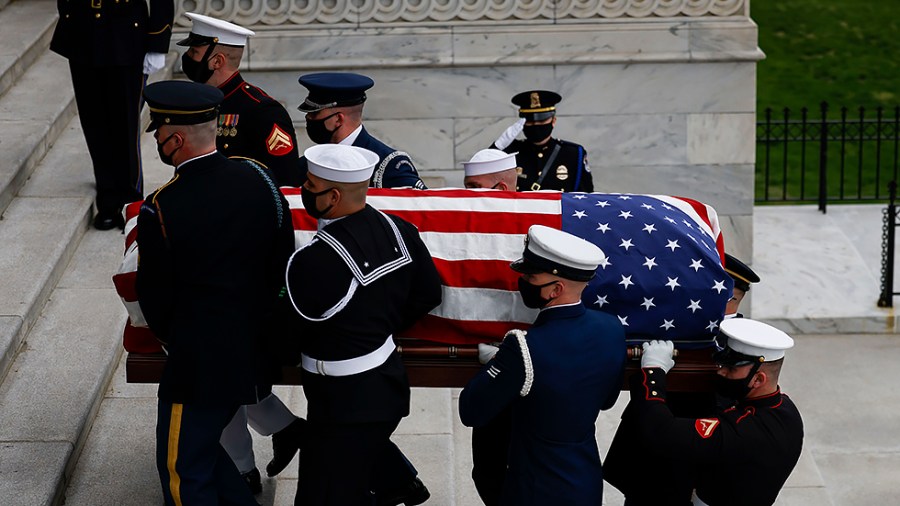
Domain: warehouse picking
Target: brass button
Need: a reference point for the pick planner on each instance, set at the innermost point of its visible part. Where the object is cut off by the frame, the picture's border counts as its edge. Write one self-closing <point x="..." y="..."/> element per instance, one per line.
<point x="67" y="16"/>
<point x="653" y="392"/>
<point x="225" y="146"/>
<point x="97" y="15"/>
<point x="650" y="371"/>
<point x="540" y="155"/>
<point x="652" y="382"/>
<point x="135" y="25"/>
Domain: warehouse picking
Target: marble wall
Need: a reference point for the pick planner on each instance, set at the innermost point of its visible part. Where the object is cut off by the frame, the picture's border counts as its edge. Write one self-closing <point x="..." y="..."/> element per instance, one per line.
<point x="662" y="104"/>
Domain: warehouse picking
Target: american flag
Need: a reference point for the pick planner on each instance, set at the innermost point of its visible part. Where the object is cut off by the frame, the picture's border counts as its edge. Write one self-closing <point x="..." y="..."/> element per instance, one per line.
<point x="663" y="276"/>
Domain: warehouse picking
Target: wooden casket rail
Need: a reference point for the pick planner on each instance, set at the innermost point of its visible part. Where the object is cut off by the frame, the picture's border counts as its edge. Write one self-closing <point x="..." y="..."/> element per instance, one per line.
<point x="439" y="365"/>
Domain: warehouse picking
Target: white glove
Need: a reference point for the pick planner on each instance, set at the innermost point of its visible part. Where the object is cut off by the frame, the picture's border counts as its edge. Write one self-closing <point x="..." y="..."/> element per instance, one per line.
<point x="154" y="62"/>
<point x="510" y="134"/>
<point x="658" y="354"/>
<point x="486" y="352"/>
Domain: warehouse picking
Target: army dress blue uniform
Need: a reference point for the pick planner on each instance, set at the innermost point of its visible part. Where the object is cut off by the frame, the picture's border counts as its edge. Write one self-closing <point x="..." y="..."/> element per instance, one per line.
<point x="254" y="125"/>
<point x="558" y="377"/>
<point x="363" y="278"/>
<point x="105" y="42"/>
<point x="541" y="167"/>
<point x="214" y="242"/>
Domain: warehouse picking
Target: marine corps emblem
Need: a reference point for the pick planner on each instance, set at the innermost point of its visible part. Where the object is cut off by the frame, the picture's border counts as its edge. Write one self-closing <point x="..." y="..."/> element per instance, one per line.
<point x="562" y="173"/>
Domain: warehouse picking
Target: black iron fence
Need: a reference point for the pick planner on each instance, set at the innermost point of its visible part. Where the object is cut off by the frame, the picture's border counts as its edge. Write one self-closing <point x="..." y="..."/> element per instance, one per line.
<point x="888" y="236"/>
<point x="846" y="155"/>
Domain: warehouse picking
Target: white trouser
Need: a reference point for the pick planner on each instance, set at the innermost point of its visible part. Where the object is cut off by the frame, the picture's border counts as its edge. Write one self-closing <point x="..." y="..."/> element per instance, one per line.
<point x="267" y="417"/>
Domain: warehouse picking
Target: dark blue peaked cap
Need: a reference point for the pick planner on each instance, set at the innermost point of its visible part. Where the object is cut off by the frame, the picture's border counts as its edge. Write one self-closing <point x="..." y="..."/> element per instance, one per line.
<point x="181" y="103"/>
<point x="334" y="89"/>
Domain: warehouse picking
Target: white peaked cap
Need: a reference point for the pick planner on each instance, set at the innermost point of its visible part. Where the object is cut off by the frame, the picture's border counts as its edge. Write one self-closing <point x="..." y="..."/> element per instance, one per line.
<point x="756" y="338"/>
<point x="489" y="161"/>
<point x="227" y="33"/>
<point x="559" y="253"/>
<point x="341" y="163"/>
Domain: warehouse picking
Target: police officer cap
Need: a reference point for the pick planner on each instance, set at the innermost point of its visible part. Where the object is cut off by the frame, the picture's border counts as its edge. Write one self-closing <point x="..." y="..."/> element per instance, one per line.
<point x="740" y="272"/>
<point x="207" y="30"/>
<point x="536" y="105"/>
<point x="559" y="253"/>
<point x="751" y="341"/>
<point x="334" y="89"/>
<point x="341" y="163"/>
<point x="181" y="103"/>
<point x="489" y="161"/>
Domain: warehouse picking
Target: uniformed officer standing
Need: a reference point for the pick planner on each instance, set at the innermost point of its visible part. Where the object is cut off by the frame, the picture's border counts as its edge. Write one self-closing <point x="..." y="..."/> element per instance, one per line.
<point x="741" y="456"/>
<point x="251" y="123"/>
<point x="491" y="168"/>
<point x="363" y="278"/>
<point x="743" y="276"/>
<point x="545" y="163"/>
<point x="334" y="113"/>
<point x="111" y="47"/>
<point x="557" y="376"/>
<point x="213" y="243"/>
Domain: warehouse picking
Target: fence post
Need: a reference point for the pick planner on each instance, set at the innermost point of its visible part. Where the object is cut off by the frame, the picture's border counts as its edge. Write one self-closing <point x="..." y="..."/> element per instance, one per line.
<point x="887" y="249"/>
<point x="823" y="158"/>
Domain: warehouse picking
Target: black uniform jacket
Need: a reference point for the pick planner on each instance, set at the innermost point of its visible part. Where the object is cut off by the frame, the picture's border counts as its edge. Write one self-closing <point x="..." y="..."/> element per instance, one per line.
<point x="741" y="457"/>
<point x="568" y="171"/>
<point x="361" y="279"/>
<point x="394" y="169"/>
<point x="112" y="32"/>
<point x="254" y="125"/>
<point x="213" y="245"/>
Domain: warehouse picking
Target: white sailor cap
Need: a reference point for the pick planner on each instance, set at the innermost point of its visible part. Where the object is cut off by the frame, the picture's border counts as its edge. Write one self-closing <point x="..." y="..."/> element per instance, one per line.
<point x="489" y="161"/>
<point x="341" y="163"/>
<point x="206" y="30"/>
<point x="559" y="253"/>
<point x="751" y="341"/>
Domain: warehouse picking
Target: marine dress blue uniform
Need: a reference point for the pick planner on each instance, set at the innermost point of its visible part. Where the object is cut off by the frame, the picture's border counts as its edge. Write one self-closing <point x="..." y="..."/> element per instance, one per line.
<point x="558" y="376"/>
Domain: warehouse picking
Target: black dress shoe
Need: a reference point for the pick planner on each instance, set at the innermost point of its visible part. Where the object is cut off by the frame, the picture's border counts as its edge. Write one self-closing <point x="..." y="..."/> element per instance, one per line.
<point x="108" y="221"/>
<point x="253" y="480"/>
<point x="285" y="444"/>
<point x="411" y="494"/>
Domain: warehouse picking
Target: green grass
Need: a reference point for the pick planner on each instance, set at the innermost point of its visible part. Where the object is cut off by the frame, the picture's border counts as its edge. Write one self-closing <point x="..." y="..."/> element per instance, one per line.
<point x="844" y="52"/>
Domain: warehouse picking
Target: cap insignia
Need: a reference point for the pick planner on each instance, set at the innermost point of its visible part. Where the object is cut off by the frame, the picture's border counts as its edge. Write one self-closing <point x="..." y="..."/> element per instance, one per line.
<point x="535" y="99"/>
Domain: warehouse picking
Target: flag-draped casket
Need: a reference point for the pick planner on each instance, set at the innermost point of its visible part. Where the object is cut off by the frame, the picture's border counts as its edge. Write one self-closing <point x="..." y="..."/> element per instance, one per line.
<point x="662" y="277"/>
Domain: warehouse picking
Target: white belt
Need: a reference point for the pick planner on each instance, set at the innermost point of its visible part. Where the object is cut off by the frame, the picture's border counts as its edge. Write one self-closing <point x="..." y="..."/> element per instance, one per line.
<point x="350" y="366"/>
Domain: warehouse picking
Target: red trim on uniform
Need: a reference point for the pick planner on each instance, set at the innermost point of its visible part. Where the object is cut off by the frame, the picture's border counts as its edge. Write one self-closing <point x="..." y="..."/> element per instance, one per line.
<point x="244" y="89"/>
<point x="647" y="389"/>
<point x="228" y="81"/>
<point x="750" y="410"/>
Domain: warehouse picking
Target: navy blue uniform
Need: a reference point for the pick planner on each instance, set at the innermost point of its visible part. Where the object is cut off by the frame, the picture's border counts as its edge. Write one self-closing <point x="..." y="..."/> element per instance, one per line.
<point x="568" y="371"/>
<point x="363" y="278"/>
<point x="213" y="243"/>
<point x="254" y="125"/>
<point x="568" y="171"/>
<point x="394" y="169"/>
<point x="105" y="42"/>
<point x="740" y="457"/>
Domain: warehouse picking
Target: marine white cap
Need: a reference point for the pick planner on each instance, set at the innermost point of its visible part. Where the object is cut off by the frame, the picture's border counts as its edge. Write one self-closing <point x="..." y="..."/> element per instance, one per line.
<point x="755" y="338"/>
<point x="341" y="163"/>
<point x="489" y="161"/>
<point x="559" y="253"/>
<point x="227" y="33"/>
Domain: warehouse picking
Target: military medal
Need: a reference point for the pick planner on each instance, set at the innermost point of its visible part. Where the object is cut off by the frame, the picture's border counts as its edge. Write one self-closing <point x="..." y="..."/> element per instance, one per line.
<point x="227" y="125"/>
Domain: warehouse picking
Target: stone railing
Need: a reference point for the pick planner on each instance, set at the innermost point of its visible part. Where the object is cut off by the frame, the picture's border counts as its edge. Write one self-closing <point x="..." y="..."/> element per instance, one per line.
<point x="314" y="13"/>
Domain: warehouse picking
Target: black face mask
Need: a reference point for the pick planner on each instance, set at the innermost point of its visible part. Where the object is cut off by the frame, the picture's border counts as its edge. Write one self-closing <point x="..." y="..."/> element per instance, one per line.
<point x="317" y="132"/>
<point x="198" y="71"/>
<point x="164" y="158"/>
<point x="531" y="294"/>
<point x="537" y="133"/>
<point x="734" y="389"/>
<point x="309" y="202"/>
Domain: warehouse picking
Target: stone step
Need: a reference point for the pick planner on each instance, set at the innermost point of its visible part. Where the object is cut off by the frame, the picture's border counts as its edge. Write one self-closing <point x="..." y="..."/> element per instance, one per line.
<point x="32" y="115"/>
<point x="27" y="29"/>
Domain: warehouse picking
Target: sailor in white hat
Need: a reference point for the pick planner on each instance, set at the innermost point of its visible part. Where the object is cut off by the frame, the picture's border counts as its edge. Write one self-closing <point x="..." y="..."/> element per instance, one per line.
<point x="758" y="433"/>
<point x="550" y="381"/>
<point x="491" y="168"/>
<point x="251" y="124"/>
<point x="364" y="277"/>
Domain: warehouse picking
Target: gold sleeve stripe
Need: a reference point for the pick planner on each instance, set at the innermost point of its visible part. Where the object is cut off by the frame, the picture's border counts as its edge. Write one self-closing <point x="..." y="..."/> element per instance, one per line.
<point x="174" y="435"/>
<point x="168" y="26"/>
